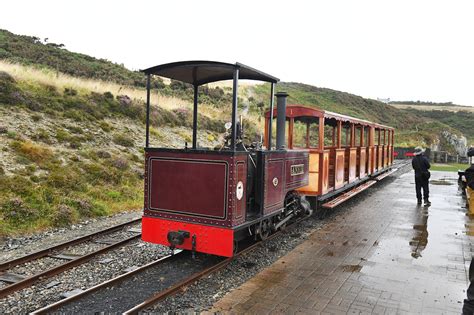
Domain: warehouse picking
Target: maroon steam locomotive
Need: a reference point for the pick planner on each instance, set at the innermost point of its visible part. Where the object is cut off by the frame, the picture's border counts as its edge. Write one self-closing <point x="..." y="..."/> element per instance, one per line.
<point x="207" y="200"/>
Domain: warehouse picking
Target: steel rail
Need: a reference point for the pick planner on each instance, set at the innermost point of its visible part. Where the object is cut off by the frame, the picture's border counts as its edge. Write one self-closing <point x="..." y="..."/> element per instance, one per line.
<point x="193" y="278"/>
<point x="60" y="268"/>
<point x="54" y="306"/>
<point x="45" y="252"/>
<point x="69" y="264"/>
<point x="161" y="294"/>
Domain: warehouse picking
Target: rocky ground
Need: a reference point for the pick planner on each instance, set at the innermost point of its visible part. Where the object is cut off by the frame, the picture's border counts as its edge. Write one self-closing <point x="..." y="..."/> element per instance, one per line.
<point x="42" y="128"/>
<point x="102" y="268"/>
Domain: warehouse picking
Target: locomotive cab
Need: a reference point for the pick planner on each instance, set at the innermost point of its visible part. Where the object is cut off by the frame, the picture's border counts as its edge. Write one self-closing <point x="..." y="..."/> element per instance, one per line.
<point x="206" y="200"/>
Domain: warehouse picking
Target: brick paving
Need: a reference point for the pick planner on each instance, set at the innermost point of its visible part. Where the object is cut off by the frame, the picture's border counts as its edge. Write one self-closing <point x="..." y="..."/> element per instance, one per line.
<point x="381" y="255"/>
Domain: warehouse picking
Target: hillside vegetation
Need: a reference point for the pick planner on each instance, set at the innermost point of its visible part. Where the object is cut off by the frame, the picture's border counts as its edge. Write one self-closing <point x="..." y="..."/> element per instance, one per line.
<point x="68" y="152"/>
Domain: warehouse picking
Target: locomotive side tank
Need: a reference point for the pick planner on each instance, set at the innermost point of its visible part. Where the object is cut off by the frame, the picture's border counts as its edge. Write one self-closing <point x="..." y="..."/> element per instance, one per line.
<point x="206" y="200"/>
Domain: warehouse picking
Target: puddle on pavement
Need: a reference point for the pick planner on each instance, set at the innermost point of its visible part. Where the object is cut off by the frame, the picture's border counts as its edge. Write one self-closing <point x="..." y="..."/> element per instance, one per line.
<point x="440" y="182"/>
<point x="421" y="238"/>
<point x="351" y="268"/>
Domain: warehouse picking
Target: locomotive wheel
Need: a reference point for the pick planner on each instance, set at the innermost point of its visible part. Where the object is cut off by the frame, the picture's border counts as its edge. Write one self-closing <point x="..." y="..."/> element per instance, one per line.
<point x="264" y="230"/>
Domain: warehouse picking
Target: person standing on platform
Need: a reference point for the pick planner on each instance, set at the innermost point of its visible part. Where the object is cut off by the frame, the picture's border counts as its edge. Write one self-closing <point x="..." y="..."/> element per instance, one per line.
<point x="469" y="174"/>
<point x="421" y="165"/>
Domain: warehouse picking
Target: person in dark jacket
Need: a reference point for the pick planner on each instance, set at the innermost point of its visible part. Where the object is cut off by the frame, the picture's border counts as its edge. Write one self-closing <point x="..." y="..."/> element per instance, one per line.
<point x="469" y="174"/>
<point x="422" y="175"/>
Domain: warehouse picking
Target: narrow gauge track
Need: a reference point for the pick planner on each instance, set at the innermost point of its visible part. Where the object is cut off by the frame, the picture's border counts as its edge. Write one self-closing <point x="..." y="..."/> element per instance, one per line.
<point x="18" y="282"/>
<point x="150" y="283"/>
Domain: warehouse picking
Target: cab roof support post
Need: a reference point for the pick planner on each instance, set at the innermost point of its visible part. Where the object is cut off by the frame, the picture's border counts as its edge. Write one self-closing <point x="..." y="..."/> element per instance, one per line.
<point x="270" y="124"/>
<point x="235" y="88"/>
<point x="195" y="116"/>
<point x="147" y="141"/>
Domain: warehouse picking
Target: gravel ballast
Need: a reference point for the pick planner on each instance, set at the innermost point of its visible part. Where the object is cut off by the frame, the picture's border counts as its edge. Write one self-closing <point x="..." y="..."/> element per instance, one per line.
<point x="202" y="295"/>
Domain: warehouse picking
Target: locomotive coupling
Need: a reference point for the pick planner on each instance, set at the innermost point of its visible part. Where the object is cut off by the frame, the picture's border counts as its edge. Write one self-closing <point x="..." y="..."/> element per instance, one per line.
<point x="177" y="237"/>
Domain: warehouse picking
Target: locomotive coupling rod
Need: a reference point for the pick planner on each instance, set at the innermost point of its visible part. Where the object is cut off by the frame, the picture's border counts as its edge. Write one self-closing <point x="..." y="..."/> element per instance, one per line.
<point x="279" y="224"/>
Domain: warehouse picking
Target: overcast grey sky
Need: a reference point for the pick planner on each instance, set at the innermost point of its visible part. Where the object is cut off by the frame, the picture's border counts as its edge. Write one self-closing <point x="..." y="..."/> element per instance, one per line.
<point x="405" y="50"/>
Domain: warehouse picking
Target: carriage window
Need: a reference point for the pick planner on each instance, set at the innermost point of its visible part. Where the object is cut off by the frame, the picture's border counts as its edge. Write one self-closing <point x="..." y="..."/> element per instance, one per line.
<point x="314" y="134"/>
<point x="346" y="135"/>
<point x="299" y="134"/>
<point x="358" y="131"/>
<point x="377" y="136"/>
<point x="366" y="136"/>
<point x="329" y="136"/>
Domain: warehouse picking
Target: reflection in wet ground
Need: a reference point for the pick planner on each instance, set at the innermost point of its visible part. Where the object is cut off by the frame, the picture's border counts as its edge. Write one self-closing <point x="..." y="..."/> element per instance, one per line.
<point x="420" y="239"/>
<point x="432" y="268"/>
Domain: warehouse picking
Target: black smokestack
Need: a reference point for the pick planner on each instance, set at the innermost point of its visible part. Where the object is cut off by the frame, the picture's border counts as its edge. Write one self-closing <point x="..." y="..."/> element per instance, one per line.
<point x="281" y="119"/>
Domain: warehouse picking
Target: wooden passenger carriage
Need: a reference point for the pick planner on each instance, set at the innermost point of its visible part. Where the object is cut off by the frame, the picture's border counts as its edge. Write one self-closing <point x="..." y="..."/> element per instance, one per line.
<point x="344" y="151"/>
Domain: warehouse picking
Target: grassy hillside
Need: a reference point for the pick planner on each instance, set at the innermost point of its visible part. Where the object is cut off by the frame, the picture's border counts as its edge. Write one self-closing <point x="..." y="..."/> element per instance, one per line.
<point x="30" y="50"/>
<point x="67" y="152"/>
<point x="459" y="120"/>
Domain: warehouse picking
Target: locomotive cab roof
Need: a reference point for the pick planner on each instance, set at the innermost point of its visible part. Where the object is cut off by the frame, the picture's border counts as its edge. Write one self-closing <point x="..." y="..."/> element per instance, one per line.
<point x="202" y="72"/>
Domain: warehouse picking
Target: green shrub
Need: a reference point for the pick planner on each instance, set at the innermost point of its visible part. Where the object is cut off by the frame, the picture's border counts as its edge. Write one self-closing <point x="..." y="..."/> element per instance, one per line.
<point x="75" y="129"/>
<point x="70" y="92"/>
<point x="63" y="216"/>
<point x="42" y="135"/>
<point x="120" y="163"/>
<point x="62" y="135"/>
<point x="15" y="211"/>
<point x="36" y="117"/>
<point x="103" y="154"/>
<point x="123" y="140"/>
<point x="105" y="126"/>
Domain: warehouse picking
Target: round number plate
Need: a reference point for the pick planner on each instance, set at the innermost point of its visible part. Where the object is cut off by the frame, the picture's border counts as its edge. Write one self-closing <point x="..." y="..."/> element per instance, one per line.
<point x="239" y="191"/>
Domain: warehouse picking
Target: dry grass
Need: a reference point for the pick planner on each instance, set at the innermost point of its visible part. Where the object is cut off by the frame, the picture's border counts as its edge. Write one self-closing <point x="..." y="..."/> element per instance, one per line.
<point x="84" y="86"/>
<point x="34" y="152"/>
<point x="434" y="107"/>
<point x="61" y="81"/>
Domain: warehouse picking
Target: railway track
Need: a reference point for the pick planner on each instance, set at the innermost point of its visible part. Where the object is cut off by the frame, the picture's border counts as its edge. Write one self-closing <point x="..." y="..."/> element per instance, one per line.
<point x="63" y="260"/>
<point x="150" y="283"/>
<point x="164" y="277"/>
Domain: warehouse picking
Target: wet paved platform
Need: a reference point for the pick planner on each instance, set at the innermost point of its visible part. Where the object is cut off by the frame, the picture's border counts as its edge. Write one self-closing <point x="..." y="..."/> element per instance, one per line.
<point x="381" y="255"/>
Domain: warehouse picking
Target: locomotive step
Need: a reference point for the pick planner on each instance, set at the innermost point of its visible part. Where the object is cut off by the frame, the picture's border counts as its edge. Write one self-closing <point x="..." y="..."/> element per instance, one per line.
<point x="345" y="196"/>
